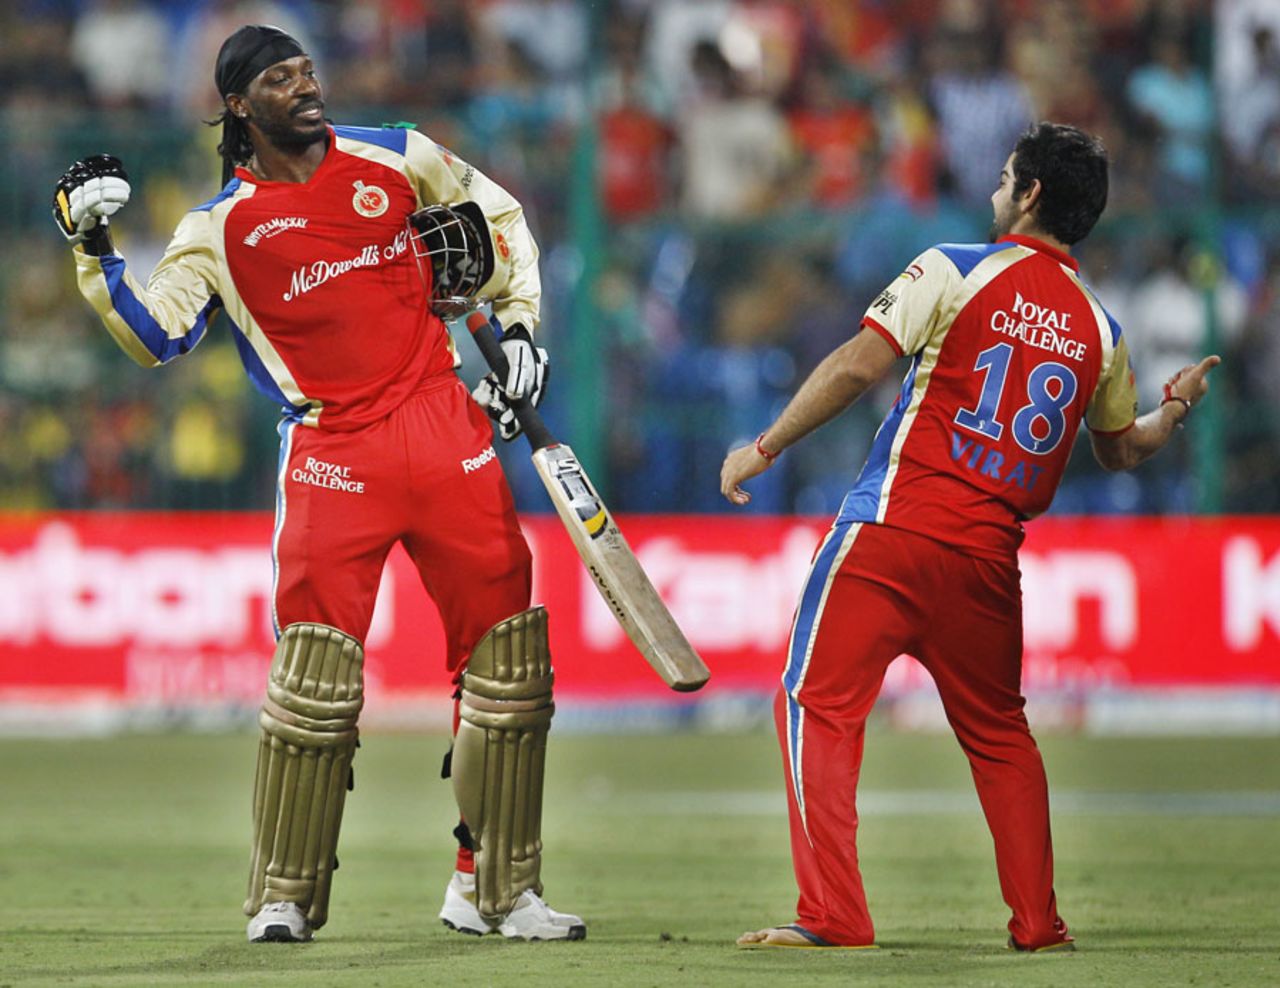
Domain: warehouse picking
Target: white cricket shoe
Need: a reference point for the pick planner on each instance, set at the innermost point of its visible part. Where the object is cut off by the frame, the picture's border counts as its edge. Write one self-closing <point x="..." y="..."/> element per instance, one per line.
<point x="279" y="922"/>
<point x="531" y="919"/>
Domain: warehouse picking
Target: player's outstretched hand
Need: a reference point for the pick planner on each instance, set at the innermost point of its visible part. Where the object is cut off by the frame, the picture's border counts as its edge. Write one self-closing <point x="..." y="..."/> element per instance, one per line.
<point x="87" y="194"/>
<point x="741" y="465"/>
<point x="1192" y="382"/>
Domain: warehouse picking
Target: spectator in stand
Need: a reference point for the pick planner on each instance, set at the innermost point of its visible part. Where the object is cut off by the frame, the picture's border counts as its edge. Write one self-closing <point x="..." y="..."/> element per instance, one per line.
<point x="835" y="137"/>
<point x="734" y="144"/>
<point x="1167" y="316"/>
<point x="121" y="46"/>
<point x="1252" y="127"/>
<point x="1252" y="482"/>
<point x="37" y="74"/>
<point x="450" y="54"/>
<point x="635" y="145"/>
<point x="876" y="36"/>
<point x="674" y="29"/>
<point x="371" y="52"/>
<point x="908" y="143"/>
<point x="981" y="107"/>
<point x="1175" y="100"/>
<point x="553" y="33"/>
<point x="1051" y="53"/>
<point x="767" y="40"/>
<point x="516" y="119"/>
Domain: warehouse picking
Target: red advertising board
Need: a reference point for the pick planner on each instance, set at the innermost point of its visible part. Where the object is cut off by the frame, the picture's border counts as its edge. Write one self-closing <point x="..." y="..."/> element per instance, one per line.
<point x="172" y="609"/>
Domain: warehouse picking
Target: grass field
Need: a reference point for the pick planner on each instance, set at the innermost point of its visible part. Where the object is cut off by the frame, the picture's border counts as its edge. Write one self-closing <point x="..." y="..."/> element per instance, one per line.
<point x="122" y="863"/>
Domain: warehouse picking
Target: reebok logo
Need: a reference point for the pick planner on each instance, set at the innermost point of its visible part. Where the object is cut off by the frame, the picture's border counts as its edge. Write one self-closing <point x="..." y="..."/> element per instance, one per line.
<point x="474" y="463"/>
<point x="274" y="226"/>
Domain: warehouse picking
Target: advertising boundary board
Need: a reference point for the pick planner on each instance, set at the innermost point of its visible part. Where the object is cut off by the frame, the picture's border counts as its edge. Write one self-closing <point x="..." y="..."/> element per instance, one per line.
<point x="163" y="619"/>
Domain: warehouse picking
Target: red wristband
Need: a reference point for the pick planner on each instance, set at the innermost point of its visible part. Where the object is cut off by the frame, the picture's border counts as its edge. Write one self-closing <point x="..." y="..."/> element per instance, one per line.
<point x="1170" y="396"/>
<point x="769" y="457"/>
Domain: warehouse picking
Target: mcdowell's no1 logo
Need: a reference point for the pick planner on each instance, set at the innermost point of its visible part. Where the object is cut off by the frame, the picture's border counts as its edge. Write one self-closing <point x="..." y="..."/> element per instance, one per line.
<point x="370" y="200"/>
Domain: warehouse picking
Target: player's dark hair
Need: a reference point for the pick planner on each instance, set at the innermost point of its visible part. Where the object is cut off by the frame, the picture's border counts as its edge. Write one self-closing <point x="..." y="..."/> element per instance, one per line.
<point x="235" y="148"/>
<point x="1072" y="168"/>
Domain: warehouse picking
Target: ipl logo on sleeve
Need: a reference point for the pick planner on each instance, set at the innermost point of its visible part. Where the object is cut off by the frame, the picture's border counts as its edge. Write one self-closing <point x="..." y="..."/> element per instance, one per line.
<point x="370" y="200"/>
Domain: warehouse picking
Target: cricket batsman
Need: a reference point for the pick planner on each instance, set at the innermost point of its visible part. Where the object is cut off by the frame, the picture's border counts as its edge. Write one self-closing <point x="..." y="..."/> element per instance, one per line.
<point x="1010" y="352"/>
<point x="328" y="250"/>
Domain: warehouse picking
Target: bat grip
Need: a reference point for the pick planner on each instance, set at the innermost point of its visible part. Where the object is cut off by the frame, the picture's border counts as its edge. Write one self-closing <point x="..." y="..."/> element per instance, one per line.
<point x="484" y="332"/>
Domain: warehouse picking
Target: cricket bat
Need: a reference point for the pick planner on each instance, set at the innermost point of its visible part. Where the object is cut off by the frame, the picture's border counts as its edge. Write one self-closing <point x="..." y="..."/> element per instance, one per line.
<point x="608" y="558"/>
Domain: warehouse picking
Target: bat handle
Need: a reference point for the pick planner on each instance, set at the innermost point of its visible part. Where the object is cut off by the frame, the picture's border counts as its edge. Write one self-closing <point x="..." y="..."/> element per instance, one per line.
<point x="483" y="332"/>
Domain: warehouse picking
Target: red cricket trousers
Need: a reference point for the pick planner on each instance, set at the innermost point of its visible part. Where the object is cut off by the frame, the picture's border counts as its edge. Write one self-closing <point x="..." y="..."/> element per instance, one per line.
<point x="425" y="476"/>
<point x="873" y="593"/>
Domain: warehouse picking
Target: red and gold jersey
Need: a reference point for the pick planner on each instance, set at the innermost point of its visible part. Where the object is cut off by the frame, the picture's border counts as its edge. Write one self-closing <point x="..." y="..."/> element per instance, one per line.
<point x="317" y="279"/>
<point x="1010" y="353"/>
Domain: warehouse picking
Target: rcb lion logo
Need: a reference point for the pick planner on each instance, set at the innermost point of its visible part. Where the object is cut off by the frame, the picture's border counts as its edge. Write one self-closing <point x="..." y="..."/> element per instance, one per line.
<point x="370" y="200"/>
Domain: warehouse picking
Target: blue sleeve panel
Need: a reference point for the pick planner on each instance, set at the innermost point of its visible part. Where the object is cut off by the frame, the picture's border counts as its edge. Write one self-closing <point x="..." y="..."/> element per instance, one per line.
<point x="149" y="332"/>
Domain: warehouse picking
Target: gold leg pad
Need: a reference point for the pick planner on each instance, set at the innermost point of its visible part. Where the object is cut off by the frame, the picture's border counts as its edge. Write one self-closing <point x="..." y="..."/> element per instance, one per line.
<point x="314" y="696"/>
<point x="499" y="757"/>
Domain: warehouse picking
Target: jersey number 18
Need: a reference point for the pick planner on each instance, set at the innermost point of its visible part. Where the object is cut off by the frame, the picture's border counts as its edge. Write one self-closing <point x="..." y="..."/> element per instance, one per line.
<point x="1039" y="425"/>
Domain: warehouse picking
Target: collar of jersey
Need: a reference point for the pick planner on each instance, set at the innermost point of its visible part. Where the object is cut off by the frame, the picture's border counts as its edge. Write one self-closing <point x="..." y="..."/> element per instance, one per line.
<point x="1044" y="248"/>
<point x="245" y="175"/>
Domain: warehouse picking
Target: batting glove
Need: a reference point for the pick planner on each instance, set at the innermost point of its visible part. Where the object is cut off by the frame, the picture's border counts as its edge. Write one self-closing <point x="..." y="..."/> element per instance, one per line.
<point x="526" y="364"/>
<point x="89" y="192"/>
<point x="528" y="370"/>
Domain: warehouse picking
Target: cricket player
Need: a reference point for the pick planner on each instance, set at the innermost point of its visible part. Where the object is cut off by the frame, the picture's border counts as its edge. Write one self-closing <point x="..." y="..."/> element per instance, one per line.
<point x="325" y="250"/>
<point x="1010" y="352"/>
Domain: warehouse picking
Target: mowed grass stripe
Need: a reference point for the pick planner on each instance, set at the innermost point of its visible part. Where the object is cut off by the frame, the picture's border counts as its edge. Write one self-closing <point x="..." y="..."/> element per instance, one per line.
<point x="947" y="802"/>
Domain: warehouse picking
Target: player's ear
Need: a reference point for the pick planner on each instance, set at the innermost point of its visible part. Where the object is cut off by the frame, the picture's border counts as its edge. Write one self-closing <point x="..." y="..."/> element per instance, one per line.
<point x="1031" y="198"/>
<point x="238" y="106"/>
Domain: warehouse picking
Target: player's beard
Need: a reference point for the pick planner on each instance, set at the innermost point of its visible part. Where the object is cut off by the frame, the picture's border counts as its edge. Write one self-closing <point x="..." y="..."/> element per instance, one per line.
<point x="285" y="134"/>
<point x="1002" y="223"/>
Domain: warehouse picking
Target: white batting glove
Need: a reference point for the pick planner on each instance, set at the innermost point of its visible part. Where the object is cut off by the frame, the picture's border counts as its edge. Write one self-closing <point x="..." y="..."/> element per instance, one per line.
<point x="87" y="194"/>
<point x="491" y="398"/>
<point x="528" y="369"/>
<point x="525" y="364"/>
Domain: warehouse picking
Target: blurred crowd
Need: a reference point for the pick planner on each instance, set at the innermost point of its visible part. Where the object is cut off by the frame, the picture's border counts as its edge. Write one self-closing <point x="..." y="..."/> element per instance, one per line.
<point x="719" y="188"/>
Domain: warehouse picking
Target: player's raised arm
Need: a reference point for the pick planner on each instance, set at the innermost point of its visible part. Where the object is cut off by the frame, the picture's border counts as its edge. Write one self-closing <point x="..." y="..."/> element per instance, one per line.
<point x="841" y="379"/>
<point x="1150" y="432"/>
<point x="170" y="315"/>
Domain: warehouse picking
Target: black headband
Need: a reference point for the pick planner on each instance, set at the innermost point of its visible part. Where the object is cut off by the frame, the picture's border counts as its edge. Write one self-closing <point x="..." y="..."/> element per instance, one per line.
<point x="247" y="52"/>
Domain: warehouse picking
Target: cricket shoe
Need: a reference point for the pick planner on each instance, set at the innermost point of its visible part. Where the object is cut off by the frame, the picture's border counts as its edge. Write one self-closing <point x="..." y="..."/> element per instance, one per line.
<point x="530" y="919"/>
<point x="279" y="922"/>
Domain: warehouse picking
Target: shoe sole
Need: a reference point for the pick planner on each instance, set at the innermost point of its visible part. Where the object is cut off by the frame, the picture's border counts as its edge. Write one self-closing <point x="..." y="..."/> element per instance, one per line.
<point x="463" y="929"/>
<point x="573" y="933"/>
<point x="279" y="933"/>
